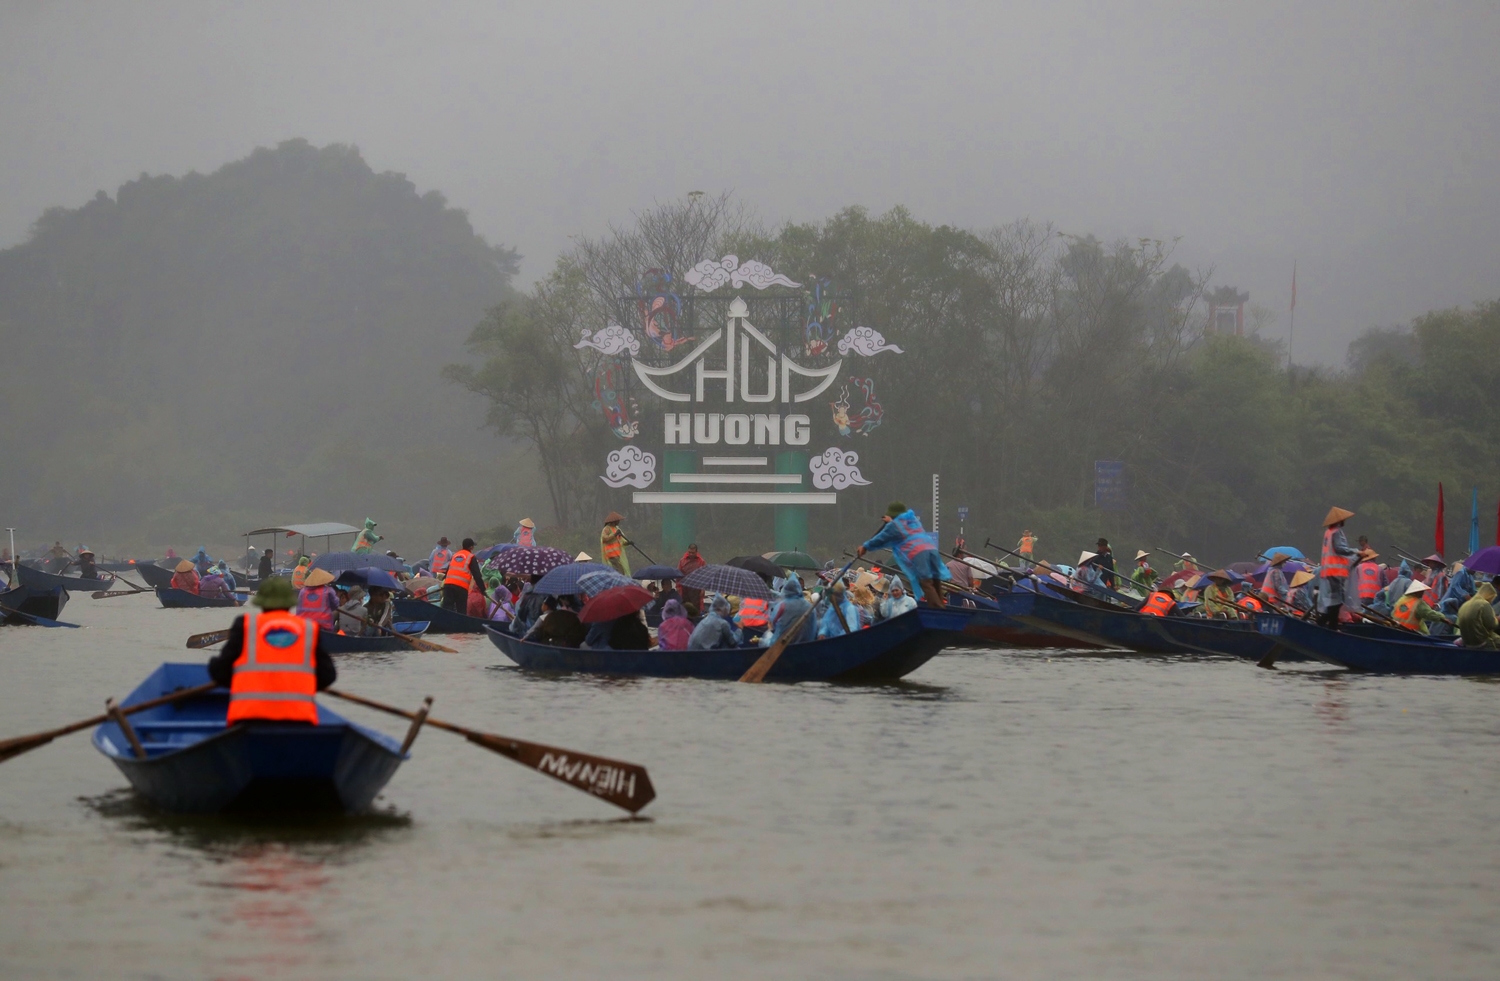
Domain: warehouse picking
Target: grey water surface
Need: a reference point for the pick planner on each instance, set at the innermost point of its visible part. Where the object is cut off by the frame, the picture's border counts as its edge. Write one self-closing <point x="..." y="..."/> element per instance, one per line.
<point x="1000" y="815"/>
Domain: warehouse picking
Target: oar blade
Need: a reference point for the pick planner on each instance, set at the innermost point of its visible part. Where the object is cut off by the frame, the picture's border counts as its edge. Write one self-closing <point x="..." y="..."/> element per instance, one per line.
<point x="11" y="748"/>
<point x="624" y="785"/>
<point x="199" y="641"/>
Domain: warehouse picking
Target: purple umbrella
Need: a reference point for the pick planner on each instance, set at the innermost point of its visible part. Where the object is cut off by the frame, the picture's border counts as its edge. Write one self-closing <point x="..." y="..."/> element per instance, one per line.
<point x="533" y="560"/>
<point x="1485" y="560"/>
<point x="728" y="580"/>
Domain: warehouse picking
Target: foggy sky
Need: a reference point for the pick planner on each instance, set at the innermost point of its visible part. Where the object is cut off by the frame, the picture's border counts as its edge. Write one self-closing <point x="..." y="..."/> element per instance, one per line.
<point x="1361" y="139"/>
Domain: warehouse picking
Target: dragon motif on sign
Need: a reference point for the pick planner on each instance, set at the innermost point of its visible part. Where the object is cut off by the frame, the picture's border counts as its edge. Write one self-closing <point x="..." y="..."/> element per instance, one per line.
<point x="659" y="308"/>
<point x="863" y="421"/>
<point x="822" y="312"/>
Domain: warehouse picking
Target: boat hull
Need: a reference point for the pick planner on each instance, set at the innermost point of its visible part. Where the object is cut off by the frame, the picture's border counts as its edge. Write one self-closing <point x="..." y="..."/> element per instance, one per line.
<point x="181" y="599"/>
<point x="1378" y="655"/>
<point x="350" y="644"/>
<point x="35" y="601"/>
<point x="442" y="621"/>
<point x="1108" y="629"/>
<point x="197" y="765"/>
<point x="884" y="652"/>
<point x="991" y="621"/>
<point x="154" y="576"/>
<point x="27" y="576"/>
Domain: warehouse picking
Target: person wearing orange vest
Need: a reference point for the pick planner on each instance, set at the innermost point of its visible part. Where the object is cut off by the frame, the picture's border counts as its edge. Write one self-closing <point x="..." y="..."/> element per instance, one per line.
<point x="525" y="535"/>
<point x="612" y="543"/>
<point x="1333" y="573"/>
<point x="273" y="662"/>
<point x="299" y="574"/>
<point x="752" y="618"/>
<point x="1161" y="603"/>
<point x="318" y="601"/>
<point x="1367" y="580"/>
<point x="1250" y="604"/>
<point x="1412" y="612"/>
<point x="440" y="558"/>
<point x="1026" y="547"/>
<point x="463" y="575"/>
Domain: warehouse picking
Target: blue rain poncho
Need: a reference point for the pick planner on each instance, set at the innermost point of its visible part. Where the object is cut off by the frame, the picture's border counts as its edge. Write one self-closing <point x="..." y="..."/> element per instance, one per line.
<point x="786" y="611"/>
<point x="915" y="550"/>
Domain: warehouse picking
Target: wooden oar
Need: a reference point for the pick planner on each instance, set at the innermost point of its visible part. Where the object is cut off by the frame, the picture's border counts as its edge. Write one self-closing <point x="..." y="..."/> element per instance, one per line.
<point x="633" y="545"/>
<point x="764" y="663"/>
<point x="417" y="642"/>
<point x="21" y="744"/>
<point x="625" y="785"/>
<point x="38" y="621"/>
<point x="199" y="641"/>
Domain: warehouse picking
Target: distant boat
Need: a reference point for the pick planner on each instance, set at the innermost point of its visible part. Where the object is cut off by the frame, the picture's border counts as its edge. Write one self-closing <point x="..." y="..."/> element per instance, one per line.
<point x="154" y="575"/>
<point x="195" y="763"/>
<point x="28" y="576"/>
<point x="181" y="599"/>
<point x="352" y="644"/>
<point x="887" y="651"/>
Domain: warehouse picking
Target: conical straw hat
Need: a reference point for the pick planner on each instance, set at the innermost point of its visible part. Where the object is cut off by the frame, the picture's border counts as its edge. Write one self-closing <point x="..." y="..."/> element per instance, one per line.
<point x="1335" y="515"/>
<point x="185" y="566"/>
<point x="318" y="577"/>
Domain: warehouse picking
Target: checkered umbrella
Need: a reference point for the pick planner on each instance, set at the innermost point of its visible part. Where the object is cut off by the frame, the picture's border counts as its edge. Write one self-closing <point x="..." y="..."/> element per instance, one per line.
<point x="594" y="583"/>
<point x="728" y="580"/>
<point x="534" y="560"/>
<point x="563" y="581"/>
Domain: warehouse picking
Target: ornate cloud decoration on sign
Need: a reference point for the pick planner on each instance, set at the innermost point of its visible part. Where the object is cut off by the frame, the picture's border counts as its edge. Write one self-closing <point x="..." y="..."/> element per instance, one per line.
<point x="867" y="341"/>
<point x="709" y="275"/>
<point x="836" y="468"/>
<point x="613" y="339"/>
<point x="629" y="466"/>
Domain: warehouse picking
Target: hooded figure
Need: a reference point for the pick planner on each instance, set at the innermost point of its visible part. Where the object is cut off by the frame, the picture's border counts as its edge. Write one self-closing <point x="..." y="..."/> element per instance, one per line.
<point x="786" y="612"/>
<point x="1476" y="620"/>
<point x="896" y="601"/>
<point x="915" y="551"/>
<point x="715" y="631"/>
<point x="299" y="574"/>
<point x="367" y="538"/>
<point x="202" y="562"/>
<point x="839" y="615"/>
<point x="1460" y="588"/>
<point x="676" y="629"/>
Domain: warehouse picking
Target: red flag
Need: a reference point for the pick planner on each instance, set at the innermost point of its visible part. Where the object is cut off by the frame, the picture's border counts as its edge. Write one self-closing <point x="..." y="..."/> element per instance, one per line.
<point x="1437" y="532"/>
<point x="1294" y="285"/>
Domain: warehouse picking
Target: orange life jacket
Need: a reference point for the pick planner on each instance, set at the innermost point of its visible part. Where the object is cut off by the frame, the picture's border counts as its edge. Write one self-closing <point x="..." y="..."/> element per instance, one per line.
<point x="1405" y="613"/>
<point x="440" y="559"/>
<point x="1027" y="541"/>
<point x="1367" y="580"/>
<point x="753" y="612"/>
<point x="1159" y="604"/>
<point x="1335" y="566"/>
<point x="320" y="604"/>
<point x="458" y="570"/>
<point x="275" y="676"/>
<point x="299" y="576"/>
<point x="612" y="544"/>
<point x="1251" y="603"/>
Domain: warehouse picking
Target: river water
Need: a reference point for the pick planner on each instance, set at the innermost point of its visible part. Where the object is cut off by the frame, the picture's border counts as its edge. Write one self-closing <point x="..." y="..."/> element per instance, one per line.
<point x="1000" y="815"/>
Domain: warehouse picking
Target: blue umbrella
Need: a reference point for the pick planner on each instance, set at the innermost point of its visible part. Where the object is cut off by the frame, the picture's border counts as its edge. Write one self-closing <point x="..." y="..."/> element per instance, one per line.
<point x="594" y="583"/>
<point x="656" y="572"/>
<point x="493" y="550"/>
<point x="563" y="581"/>
<point x="377" y="578"/>
<point x="1291" y="550"/>
<point x="728" y="580"/>
<point x="340" y="561"/>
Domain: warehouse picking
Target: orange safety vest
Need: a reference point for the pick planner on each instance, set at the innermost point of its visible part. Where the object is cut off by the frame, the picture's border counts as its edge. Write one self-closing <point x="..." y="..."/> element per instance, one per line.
<point x="753" y="612"/>
<point x="1367" y="580"/>
<point x="1027" y="541"/>
<point x="1405" y="613"/>
<point x="458" y="570"/>
<point x="320" y="604"/>
<point x="1251" y="603"/>
<point x="299" y="576"/>
<point x="440" y="559"/>
<point x="1335" y="566"/>
<point x="526" y="538"/>
<point x="1159" y="604"/>
<point x="275" y="676"/>
<point x="614" y="547"/>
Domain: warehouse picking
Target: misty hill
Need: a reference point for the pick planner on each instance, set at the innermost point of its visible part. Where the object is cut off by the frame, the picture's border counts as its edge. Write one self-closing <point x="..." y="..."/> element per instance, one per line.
<point x="258" y="343"/>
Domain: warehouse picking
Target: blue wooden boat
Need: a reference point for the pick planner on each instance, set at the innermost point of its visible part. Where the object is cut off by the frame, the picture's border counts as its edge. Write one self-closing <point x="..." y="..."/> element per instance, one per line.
<point x="887" y="651"/>
<point x="351" y="644"/>
<point x="29" y="576"/>
<point x="32" y="602"/>
<point x="1105" y="628"/>
<point x="1417" y="656"/>
<point x="991" y="621"/>
<point x="181" y="599"/>
<point x="443" y="621"/>
<point x="196" y="764"/>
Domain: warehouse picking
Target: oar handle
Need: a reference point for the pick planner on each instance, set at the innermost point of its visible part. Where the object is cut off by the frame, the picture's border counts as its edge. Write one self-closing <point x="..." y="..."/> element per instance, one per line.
<point x="42" y="738"/>
<point x="757" y="672"/>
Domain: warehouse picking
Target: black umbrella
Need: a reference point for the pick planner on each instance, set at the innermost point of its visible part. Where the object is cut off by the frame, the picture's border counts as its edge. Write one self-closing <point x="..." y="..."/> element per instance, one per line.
<point x="656" y="572"/>
<point x="340" y="561"/>
<point x="728" y="580"/>
<point x="758" y="564"/>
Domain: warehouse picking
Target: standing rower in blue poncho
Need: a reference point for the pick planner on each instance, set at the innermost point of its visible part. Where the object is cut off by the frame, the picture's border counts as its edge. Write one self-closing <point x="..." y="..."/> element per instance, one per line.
<point x="915" y="551"/>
